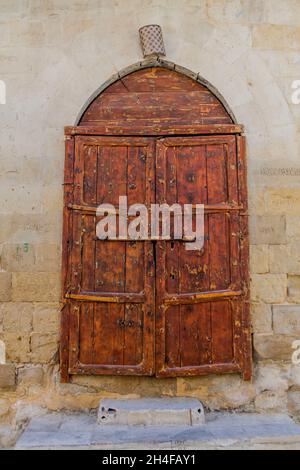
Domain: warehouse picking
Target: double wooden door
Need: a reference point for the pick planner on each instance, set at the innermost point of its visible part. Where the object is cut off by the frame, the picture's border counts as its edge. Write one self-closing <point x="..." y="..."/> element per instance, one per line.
<point x="149" y="307"/>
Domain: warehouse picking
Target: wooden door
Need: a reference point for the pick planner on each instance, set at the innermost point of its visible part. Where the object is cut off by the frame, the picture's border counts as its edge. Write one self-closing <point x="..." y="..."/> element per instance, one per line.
<point x="145" y="307"/>
<point x="202" y="296"/>
<point x="108" y="319"/>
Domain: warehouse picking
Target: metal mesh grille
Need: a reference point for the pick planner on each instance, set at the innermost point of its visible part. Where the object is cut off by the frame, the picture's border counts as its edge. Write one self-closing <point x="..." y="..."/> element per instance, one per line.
<point x="152" y="40"/>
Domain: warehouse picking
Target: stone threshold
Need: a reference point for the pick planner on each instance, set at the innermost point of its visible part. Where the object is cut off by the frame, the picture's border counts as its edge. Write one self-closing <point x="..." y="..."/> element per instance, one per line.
<point x="221" y="431"/>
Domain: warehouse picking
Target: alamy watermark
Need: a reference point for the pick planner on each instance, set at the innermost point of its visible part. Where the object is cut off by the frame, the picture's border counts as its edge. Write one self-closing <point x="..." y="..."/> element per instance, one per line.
<point x="2" y="92"/>
<point x="137" y="222"/>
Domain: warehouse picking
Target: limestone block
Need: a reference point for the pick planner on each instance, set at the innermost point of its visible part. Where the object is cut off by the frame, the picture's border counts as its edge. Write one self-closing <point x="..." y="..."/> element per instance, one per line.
<point x="276" y="347"/>
<point x="4" y="408"/>
<point x="8" y="435"/>
<point x="17" y="346"/>
<point x="26" y="412"/>
<point x="236" y="11"/>
<point x="46" y="318"/>
<point x="134" y="386"/>
<point x="4" y="33"/>
<point x="265" y="229"/>
<point x="30" y="375"/>
<point x="259" y="259"/>
<point x="40" y="287"/>
<point x="283" y="201"/>
<point x="286" y="12"/>
<point x="12" y="9"/>
<point x="281" y="63"/>
<point x="269" y="288"/>
<point x="29" y="32"/>
<point x="22" y="197"/>
<point x="294" y="379"/>
<point x="271" y="401"/>
<point x="44" y="347"/>
<point x="275" y="112"/>
<point x="272" y="377"/>
<point x="269" y="36"/>
<point x="7" y="376"/>
<point x="5" y="286"/>
<point x="278" y="258"/>
<point x="34" y="228"/>
<point x="218" y="392"/>
<point x="293" y="288"/>
<point x="293" y="402"/>
<point x="285" y="258"/>
<point x="286" y="319"/>
<point x="48" y="257"/>
<point x="17" y="316"/>
<point x="151" y="411"/>
<point x="293" y="228"/>
<point x="261" y="317"/>
<point x="17" y="257"/>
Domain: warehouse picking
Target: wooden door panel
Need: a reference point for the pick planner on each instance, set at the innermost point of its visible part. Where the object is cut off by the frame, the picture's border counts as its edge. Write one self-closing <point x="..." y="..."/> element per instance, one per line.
<point x="201" y="308"/>
<point x="201" y="295"/>
<point x="111" y="287"/>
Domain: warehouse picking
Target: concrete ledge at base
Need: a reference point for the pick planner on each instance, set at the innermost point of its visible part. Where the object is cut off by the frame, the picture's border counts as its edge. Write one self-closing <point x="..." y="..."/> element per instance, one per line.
<point x="222" y="431"/>
<point x="7" y="376"/>
<point x="151" y="412"/>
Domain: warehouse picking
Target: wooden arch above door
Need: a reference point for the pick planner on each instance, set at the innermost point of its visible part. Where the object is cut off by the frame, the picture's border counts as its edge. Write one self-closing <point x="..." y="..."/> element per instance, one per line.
<point x="153" y="308"/>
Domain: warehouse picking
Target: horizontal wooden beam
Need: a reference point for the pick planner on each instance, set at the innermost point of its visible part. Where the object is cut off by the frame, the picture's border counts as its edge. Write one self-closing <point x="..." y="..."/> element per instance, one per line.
<point x="104" y="369"/>
<point x="221" y="368"/>
<point x="107" y="297"/>
<point x="196" y="297"/>
<point x="152" y="128"/>
<point x="208" y="208"/>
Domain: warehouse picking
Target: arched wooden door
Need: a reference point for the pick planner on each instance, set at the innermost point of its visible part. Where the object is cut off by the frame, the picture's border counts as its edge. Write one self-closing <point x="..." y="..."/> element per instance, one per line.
<point x="152" y="307"/>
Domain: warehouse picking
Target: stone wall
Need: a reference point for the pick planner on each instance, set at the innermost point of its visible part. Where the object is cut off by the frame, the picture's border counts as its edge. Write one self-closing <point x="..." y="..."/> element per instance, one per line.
<point x="53" y="55"/>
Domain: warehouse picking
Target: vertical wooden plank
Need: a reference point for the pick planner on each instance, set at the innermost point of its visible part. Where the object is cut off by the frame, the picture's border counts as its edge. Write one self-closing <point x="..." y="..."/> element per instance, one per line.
<point x="78" y="169"/>
<point x="196" y="335"/>
<point x="133" y="341"/>
<point x="109" y="333"/>
<point x="134" y="282"/>
<point x="244" y="255"/>
<point x="74" y="334"/>
<point x="112" y="173"/>
<point x="90" y="164"/>
<point x="222" y="340"/>
<point x="237" y="308"/>
<point x="86" y="332"/>
<point x="76" y="253"/>
<point x="110" y="271"/>
<point x="87" y="284"/>
<point x="149" y="270"/>
<point x="172" y="336"/>
<point x="160" y="325"/>
<point x="64" y="343"/>
<point x="191" y="174"/>
<point x="66" y="245"/>
<point x="219" y="252"/>
<point x="172" y="273"/>
<point x="233" y="217"/>
<point x="217" y="192"/>
<point x="232" y="169"/>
